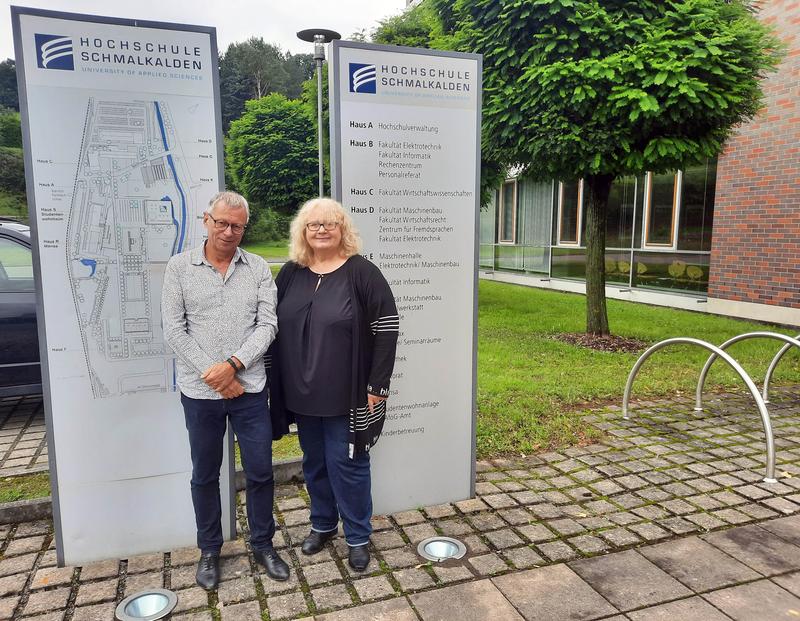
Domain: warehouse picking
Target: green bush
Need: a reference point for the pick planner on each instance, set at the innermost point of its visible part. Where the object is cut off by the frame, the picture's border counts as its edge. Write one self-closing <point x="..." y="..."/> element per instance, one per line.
<point x="266" y="225"/>
<point x="10" y="130"/>
<point x="12" y="170"/>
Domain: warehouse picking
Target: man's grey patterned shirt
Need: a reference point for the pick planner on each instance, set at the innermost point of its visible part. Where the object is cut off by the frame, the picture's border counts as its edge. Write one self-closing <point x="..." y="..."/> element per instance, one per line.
<point x="208" y="318"/>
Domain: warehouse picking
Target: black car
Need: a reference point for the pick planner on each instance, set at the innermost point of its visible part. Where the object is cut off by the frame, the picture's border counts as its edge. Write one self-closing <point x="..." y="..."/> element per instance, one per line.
<point x="20" y="371"/>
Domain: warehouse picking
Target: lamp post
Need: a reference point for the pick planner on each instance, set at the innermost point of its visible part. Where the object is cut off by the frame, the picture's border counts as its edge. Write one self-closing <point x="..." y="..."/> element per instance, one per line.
<point x="319" y="37"/>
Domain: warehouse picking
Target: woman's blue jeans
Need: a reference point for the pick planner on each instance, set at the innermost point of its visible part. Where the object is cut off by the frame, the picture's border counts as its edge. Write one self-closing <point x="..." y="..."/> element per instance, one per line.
<point x="338" y="486"/>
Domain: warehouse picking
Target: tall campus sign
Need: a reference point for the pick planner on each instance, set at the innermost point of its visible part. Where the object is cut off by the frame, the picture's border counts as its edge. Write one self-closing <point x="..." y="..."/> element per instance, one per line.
<point x="405" y="138"/>
<point x="122" y="151"/>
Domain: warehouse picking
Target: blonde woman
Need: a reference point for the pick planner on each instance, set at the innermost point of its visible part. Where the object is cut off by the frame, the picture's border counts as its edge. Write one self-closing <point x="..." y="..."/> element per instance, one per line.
<point x="331" y="364"/>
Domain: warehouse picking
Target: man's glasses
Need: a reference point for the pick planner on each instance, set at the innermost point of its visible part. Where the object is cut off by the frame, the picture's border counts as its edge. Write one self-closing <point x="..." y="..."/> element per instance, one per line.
<point x="315" y="226"/>
<point x="221" y="225"/>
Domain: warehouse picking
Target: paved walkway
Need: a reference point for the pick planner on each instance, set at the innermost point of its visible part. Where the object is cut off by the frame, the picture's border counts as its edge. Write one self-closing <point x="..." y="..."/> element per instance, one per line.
<point x="665" y="519"/>
<point x="23" y="448"/>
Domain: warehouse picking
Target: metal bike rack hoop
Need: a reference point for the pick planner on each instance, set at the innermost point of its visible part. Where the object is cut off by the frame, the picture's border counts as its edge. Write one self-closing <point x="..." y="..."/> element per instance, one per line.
<point x="762" y="408"/>
<point x="698" y="398"/>
<point x="771" y="369"/>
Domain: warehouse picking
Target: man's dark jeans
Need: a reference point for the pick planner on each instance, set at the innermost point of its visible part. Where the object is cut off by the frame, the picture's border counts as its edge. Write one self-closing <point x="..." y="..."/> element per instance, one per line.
<point x="206" y="421"/>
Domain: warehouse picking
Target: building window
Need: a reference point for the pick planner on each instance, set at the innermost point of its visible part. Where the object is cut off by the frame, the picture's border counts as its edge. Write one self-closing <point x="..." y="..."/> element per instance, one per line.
<point x="570" y="209"/>
<point x="698" y="184"/>
<point x="507" y="210"/>
<point x="661" y="204"/>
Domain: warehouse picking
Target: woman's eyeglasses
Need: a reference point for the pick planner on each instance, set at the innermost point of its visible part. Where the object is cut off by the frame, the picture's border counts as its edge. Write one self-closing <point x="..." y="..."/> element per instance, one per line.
<point x="315" y="226"/>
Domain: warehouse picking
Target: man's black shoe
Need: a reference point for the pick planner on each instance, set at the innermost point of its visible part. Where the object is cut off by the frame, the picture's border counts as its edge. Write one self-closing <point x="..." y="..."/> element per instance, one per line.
<point x="207" y="575"/>
<point x="276" y="567"/>
<point x="316" y="541"/>
<point x="359" y="557"/>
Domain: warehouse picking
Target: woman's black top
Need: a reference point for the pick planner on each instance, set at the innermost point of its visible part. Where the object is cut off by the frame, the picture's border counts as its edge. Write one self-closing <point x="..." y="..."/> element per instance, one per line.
<point x="315" y="319"/>
<point x="374" y="327"/>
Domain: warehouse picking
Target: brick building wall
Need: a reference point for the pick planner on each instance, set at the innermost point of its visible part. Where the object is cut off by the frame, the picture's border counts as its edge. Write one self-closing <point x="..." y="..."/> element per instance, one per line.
<point x="755" y="253"/>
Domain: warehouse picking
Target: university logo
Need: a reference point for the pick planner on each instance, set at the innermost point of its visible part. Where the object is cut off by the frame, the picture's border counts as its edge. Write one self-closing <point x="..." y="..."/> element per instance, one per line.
<point x="54" y="52"/>
<point x="363" y="78"/>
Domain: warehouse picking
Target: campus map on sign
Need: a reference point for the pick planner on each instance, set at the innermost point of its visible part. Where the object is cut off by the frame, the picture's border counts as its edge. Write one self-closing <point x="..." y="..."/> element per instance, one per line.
<point x="129" y="215"/>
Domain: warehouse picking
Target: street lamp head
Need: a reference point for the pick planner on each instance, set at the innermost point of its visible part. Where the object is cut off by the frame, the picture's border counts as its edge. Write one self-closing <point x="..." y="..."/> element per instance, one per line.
<point x="311" y="34"/>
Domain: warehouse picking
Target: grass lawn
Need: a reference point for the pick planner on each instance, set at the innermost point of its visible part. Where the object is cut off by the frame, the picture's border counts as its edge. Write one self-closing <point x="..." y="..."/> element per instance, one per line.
<point x="532" y="389"/>
<point x="13" y="205"/>
<point x="269" y="250"/>
<point x="25" y="487"/>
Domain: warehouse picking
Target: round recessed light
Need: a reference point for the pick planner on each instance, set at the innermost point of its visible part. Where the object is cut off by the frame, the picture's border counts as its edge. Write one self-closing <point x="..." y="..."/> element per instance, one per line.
<point x="440" y="549"/>
<point x="147" y="605"/>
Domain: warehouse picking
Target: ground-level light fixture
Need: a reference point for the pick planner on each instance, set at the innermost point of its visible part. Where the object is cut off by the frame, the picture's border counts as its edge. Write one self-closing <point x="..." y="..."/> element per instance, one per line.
<point x="148" y="605"/>
<point x="319" y="37"/>
<point x="440" y="549"/>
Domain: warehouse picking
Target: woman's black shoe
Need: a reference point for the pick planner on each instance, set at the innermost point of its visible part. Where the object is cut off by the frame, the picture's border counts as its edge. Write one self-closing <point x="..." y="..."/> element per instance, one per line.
<point x="316" y="541"/>
<point x="276" y="567"/>
<point x="359" y="557"/>
<point x="207" y="575"/>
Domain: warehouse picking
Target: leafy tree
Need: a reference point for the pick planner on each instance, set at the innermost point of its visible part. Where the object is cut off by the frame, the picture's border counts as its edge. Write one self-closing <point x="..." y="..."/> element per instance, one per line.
<point x="597" y="89"/>
<point x="309" y="99"/>
<point x="271" y="153"/>
<point x="10" y="129"/>
<point x="12" y="171"/>
<point x="299" y="68"/>
<point x="8" y="85"/>
<point x="414" y="27"/>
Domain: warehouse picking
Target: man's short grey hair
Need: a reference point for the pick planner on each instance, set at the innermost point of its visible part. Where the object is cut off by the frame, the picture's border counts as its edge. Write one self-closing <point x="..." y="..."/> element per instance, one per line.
<point x="231" y="199"/>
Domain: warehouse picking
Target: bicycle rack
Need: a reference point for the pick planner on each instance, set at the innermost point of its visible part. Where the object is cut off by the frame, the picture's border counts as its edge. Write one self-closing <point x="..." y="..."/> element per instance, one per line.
<point x="788" y="340"/>
<point x="762" y="408"/>
<point x="771" y="369"/>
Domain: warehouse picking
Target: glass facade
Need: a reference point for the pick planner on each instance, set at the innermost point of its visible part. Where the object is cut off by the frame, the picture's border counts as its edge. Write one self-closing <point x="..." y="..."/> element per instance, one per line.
<point x="658" y="229"/>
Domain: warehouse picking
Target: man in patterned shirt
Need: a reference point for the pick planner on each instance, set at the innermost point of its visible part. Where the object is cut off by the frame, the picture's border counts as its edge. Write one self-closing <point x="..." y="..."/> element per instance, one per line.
<point x="218" y="311"/>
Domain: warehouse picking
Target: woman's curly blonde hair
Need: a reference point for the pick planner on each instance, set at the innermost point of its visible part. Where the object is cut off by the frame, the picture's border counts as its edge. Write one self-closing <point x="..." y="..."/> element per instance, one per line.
<point x="330" y="211"/>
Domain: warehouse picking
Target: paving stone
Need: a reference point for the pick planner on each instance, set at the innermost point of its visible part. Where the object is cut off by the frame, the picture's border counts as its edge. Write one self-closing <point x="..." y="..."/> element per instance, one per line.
<point x="287" y="504"/>
<point x="707" y="503"/>
<point x="698" y="564"/>
<point x="620" y="537"/>
<point x="376" y="587"/>
<point x="526" y="497"/>
<point x="98" y="612"/>
<point x="95" y="592"/>
<point x="475" y="545"/>
<point x="418" y="532"/>
<point x="499" y="501"/>
<point x="387" y="540"/>
<point x="274" y="587"/>
<point x="649" y="531"/>
<point x="556" y="498"/>
<point x="523" y="557"/>
<point x="678" y="506"/>
<point x="488" y="564"/>
<point x="312" y="559"/>
<point x="400" y="557"/>
<point x="440" y="511"/>
<point x="17" y="564"/>
<point x="607" y="488"/>
<point x="757" y="601"/>
<point x="692" y="609"/>
<point x="335" y="596"/>
<point x="705" y="521"/>
<point x="515" y="517"/>
<point x="234" y="567"/>
<point x="753" y="492"/>
<point x="566" y="527"/>
<point x="790" y="582"/>
<point x="284" y="606"/>
<point x="24" y="545"/>
<point x="296" y="517"/>
<point x="236" y="590"/>
<point x="600" y="507"/>
<point x="413" y="579"/>
<point x="189" y="599"/>
<point x="557" y="551"/>
<point x="588" y="544"/>
<point x="628" y="580"/>
<point x="787" y="528"/>
<point x="757" y="512"/>
<point x="12" y="585"/>
<point x="247" y="611"/>
<point x="406" y="518"/>
<point x="100" y="569"/>
<point x="678" y="525"/>
<point x="732" y="516"/>
<point x="781" y="505"/>
<point x="505" y="538"/>
<point x="651" y="512"/>
<point x="536" y="533"/>
<point x="452" y="574"/>
<point x="46" y="601"/>
<point x="729" y="498"/>
<point x="52" y="576"/>
<point x="140" y="582"/>
<point x="757" y="548"/>
<point x="471" y="505"/>
<point x="396" y="609"/>
<point x="473" y="601"/>
<point x="322" y="573"/>
<point x="454" y="528"/>
<point x="546" y="511"/>
<point x="631" y="482"/>
<point x="486" y="521"/>
<point x="554" y="592"/>
<point x="623" y="518"/>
